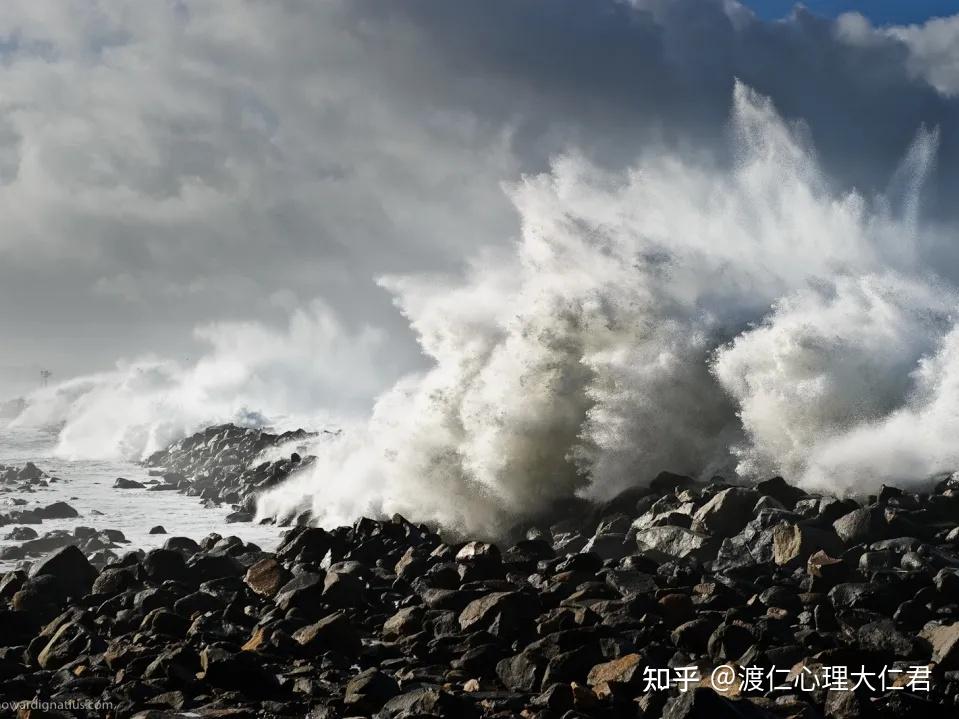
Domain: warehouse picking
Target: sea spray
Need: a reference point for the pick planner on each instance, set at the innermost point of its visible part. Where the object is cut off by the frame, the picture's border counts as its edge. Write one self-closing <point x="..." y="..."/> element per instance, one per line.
<point x="744" y="321"/>
<point x="680" y="315"/>
<point x="251" y="375"/>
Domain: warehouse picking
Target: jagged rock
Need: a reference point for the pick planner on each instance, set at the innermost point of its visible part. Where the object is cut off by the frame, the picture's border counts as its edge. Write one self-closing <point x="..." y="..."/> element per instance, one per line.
<point x="521" y="672"/>
<point x="728" y="512"/>
<point x="622" y="676"/>
<point x="823" y="566"/>
<point x="341" y="589"/>
<point x="609" y="546"/>
<point x="943" y="640"/>
<point x="793" y="544"/>
<point x="858" y="526"/>
<point x="515" y="607"/>
<point x="332" y="632"/>
<point x="266" y="577"/>
<point x="677" y="543"/>
<point x="405" y="622"/>
<point x="69" y="641"/>
<point x="421" y="703"/>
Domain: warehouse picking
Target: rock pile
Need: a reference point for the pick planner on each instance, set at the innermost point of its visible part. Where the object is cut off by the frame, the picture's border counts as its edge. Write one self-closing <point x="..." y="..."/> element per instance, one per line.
<point x="622" y="612"/>
<point x="24" y="478"/>
<point x="215" y="464"/>
<point x="99" y="545"/>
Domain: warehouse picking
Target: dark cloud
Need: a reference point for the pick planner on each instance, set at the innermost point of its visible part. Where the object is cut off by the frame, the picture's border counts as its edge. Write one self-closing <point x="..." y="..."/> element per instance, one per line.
<point x="191" y="162"/>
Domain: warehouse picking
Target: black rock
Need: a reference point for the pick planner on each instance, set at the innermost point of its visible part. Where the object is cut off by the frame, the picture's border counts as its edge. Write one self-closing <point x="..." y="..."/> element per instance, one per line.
<point x="72" y="574"/>
<point x="123" y="483"/>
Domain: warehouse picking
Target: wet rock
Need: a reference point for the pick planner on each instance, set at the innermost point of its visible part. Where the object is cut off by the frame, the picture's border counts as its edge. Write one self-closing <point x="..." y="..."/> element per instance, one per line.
<point x="57" y="510"/>
<point x="123" y="483"/>
<point x="728" y="512"/>
<point x="368" y="691"/>
<point x="333" y="632"/>
<point x="677" y="543"/>
<point x="69" y="641"/>
<point x="162" y="565"/>
<point x="781" y="491"/>
<point x="72" y="575"/>
<point x="157" y="529"/>
<point x="609" y="546"/>
<point x="114" y="581"/>
<point x="943" y="640"/>
<point x="859" y="526"/>
<point x="20" y="534"/>
<point x="422" y="703"/>
<point x="303" y="591"/>
<point x="266" y="577"/>
<point x="515" y="608"/>
<point x="620" y="677"/>
<point x="793" y="544"/>
<point x="521" y="672"/>
<point x="405" y="622"/>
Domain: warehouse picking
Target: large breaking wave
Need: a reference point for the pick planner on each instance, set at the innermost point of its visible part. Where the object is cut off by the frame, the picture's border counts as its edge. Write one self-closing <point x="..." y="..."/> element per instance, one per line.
<point x="681" y="315"/>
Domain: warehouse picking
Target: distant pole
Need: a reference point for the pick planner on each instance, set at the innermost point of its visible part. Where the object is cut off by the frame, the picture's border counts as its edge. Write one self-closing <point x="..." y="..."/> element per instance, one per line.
<point x="45" y="377"/>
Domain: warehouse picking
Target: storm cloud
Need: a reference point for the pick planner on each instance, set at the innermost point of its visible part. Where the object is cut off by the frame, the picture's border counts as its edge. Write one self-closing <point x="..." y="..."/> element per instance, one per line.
<point x="170" y="165"/>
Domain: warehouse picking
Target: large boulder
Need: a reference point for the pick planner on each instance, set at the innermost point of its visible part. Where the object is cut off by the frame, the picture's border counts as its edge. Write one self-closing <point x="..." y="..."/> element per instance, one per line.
<point x="861" y="526"/>
<point x="57" y="510"/>
<point x="70" y="571"/>
<point x="266" y="577"/>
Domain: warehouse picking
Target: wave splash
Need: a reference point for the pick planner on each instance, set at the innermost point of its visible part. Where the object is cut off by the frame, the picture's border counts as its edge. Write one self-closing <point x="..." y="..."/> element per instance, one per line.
<point x="680" y="315"/>
<point x="676" y="316"/>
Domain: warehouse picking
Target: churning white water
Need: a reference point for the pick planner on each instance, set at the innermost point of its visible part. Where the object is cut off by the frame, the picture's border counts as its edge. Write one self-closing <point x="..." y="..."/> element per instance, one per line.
<point x="681" y="315"/>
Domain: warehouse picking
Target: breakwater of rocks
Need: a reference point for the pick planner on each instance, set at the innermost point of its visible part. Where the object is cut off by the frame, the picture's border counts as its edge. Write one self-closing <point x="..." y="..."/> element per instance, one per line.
<point x="628" y="609"/>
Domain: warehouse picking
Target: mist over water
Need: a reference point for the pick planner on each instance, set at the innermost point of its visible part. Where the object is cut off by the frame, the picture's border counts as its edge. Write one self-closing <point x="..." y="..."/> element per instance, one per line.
<point x="681" y="315"/>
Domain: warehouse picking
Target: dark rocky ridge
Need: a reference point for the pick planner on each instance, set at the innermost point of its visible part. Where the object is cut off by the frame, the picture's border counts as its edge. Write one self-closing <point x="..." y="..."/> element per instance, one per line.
<point x="215" y="465"/>
<point x="385" y="619"/>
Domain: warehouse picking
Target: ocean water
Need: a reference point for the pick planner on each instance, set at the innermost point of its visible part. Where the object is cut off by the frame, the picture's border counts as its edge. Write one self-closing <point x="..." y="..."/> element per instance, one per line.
<point x="87" y="486"/>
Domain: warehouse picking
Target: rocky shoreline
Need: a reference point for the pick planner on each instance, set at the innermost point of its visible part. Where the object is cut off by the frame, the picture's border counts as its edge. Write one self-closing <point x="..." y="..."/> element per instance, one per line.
<point x="215" y="465"/>
<point x="627" y="609"/>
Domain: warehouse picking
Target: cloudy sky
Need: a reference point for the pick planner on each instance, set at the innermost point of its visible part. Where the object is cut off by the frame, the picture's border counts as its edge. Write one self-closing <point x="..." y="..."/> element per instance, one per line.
<point x="171" y="164"/>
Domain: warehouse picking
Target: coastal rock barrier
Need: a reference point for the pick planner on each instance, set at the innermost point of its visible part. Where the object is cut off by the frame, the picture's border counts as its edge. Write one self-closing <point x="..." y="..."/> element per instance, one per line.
<point x="679" y="600"/>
